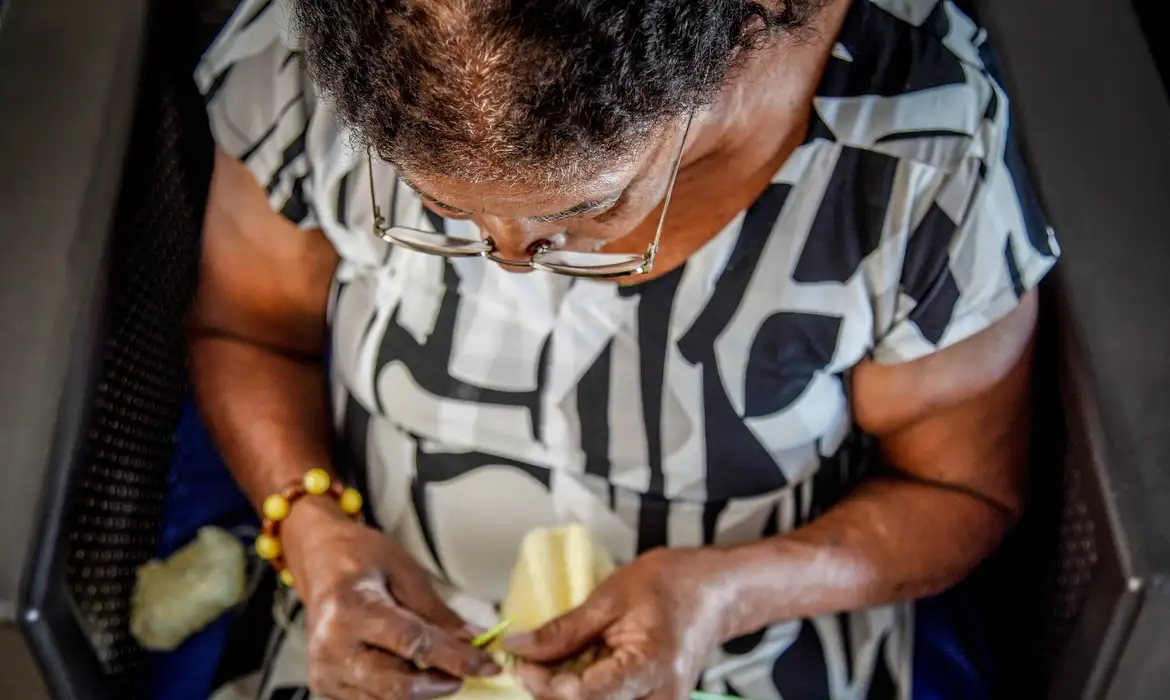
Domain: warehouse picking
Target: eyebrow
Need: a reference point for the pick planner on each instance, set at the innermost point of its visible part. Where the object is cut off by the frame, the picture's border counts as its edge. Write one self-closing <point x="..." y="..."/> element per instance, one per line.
<point x="432" y="200"/>
<point x="576" y="210"/>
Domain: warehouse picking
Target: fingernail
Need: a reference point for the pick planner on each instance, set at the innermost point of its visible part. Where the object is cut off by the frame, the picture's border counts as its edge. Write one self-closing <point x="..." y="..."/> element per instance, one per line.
<point x="429" y="687"/>
<point x="491" y="668"/>
<point x="473" y="629"/>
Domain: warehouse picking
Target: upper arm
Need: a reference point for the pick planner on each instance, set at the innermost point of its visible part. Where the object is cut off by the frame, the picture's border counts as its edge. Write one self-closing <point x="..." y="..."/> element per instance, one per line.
<point x="960" y="417"/>
<point x="261" y="277"/>
<point x="946" y="389"/>
<point x="266" y="268"/>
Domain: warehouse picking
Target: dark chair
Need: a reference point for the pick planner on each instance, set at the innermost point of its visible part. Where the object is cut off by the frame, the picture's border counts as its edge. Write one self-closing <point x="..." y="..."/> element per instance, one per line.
<point x="1074" y="601"/>
<point x="123" y="374"/>
<point x="1080" y="591"/>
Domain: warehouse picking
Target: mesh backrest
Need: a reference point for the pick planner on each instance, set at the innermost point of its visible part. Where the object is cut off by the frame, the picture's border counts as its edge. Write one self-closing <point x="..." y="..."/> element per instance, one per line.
<point x="1032" y="592"/>
<point x="1072" y="568"/>
<point x="114" y="518"/>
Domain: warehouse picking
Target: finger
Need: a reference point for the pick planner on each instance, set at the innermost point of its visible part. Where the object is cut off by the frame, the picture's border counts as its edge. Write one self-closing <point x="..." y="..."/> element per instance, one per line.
<point x="366" y="695"/>
<point x="379" y="676"/>
<point x="532" y="677"/>
<point x="417" y="595"/>
<point x="336" y="690"/>
<point x="568" y="634"/>
<point x="673" y="691"/>
<point x="329" y="666"/>
<point x="470" y="631"/>
<point x="362" y="695"/>
<point x="327" y="682"/>
<point x="430" y="607"/>
<point x="401" y="632"/>
<point x="618" y="677"/>
<point x="415" y="591"/>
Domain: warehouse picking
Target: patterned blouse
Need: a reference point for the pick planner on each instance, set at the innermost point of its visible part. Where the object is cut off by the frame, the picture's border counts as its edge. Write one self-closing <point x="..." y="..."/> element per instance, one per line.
<point x="707" y="406"/>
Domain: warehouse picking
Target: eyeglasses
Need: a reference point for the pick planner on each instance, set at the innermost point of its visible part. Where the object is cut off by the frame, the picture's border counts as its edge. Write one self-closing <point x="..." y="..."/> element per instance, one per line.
<point x="543" y="257"/>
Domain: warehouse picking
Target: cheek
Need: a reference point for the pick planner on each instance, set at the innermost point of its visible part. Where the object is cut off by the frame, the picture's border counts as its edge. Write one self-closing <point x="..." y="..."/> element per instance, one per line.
<point x="610" y="229"/>
<point x="636" y="207"/>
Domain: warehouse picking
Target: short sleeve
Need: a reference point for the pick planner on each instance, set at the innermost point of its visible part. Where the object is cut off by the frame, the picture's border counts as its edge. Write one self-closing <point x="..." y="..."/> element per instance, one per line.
<point x="260" y="104"/>
<point x="983" y="241"/>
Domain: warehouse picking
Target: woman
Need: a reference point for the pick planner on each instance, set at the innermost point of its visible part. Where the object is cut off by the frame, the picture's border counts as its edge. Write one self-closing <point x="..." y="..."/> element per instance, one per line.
<point x="766" y="223"/>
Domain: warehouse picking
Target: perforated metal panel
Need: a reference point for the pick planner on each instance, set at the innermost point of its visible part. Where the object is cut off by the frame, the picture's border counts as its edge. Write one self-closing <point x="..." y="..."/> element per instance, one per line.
<point x="113" y="523"/>
<point x="1067" y="580"/>
<point x="1030" y="595"/>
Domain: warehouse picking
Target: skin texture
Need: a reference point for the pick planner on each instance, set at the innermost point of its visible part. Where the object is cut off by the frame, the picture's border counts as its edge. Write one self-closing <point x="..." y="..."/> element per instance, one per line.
<point x="953" y="428"/>
<point x="956" y="443"/>
<point x="733" y="150"/>
<point x="374" y="614"/>
<point x="258" y="331"/>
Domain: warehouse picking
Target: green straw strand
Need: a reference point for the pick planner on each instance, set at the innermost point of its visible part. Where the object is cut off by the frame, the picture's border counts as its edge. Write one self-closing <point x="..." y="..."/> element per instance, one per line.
<point x="491" y="635"/>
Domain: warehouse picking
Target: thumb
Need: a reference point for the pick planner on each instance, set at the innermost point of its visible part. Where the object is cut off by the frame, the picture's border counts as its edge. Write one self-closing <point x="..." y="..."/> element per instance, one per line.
<point x="566" y="635"/>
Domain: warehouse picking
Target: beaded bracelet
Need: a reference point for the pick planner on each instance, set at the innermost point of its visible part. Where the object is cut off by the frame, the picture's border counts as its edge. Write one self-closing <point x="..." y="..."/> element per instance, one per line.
<point x="275" y="509"/>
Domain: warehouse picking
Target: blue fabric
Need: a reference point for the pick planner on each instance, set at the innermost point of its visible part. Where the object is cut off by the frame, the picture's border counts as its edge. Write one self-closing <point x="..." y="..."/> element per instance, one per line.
<point x="951" y="661"/>
<point x="951" y="658"/>
<point x="199" y="492"/>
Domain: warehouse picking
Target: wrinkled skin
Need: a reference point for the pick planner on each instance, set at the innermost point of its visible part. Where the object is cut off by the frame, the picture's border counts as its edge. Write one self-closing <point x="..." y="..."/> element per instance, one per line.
<point x="658" y="617"/>
<point x="372" y="618"/>
<point x="955" y="441"/>
<point x="952" y="426"/>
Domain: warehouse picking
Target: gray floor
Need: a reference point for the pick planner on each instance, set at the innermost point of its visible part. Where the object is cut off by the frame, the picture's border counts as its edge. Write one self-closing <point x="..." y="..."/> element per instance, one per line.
<point x="19" y="679"/>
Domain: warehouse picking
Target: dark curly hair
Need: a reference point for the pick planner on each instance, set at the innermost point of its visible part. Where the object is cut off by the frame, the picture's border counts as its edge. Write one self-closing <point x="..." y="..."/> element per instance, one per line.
<point x="489" y="88"/>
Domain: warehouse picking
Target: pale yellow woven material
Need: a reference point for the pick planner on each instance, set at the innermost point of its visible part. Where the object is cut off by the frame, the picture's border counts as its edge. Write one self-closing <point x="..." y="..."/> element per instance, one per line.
<point x="556" y="571"/>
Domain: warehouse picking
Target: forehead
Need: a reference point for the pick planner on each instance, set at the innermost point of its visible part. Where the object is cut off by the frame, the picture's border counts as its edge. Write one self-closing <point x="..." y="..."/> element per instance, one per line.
<point x="529" y="192"/>
<point x="578" y="186"/>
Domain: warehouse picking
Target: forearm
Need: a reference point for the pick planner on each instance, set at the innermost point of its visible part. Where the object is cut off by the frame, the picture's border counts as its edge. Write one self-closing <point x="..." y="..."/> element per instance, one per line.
<point x="266" y="411"/>
<point x="891" y="540"/>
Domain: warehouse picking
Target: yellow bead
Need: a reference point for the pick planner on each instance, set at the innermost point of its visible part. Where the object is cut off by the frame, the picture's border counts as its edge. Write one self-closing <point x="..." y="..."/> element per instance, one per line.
<point x="286" y="578"/>
<point x="268" y="547"/>
<point x="351" y="502"/>
<point x="317" y="481"/>
<point x="275" y="507"/>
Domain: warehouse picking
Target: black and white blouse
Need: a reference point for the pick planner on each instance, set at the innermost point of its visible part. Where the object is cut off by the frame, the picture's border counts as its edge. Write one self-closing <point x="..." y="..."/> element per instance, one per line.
<point x="707" y="406"/>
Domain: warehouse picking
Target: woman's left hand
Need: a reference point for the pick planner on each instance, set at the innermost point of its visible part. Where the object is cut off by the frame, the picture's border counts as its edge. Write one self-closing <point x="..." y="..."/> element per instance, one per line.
<point x="656" y="620"/>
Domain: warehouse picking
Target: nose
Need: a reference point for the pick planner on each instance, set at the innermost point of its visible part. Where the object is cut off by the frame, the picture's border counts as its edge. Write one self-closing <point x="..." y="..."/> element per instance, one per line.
<point x="518" y="240"/>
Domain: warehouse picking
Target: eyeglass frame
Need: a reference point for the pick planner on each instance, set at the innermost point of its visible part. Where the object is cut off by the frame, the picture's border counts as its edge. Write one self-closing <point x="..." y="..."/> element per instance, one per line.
<point x="488" y="250"/>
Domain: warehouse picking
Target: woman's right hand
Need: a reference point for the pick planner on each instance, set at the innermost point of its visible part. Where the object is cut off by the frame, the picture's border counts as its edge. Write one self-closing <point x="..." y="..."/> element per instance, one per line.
<point x="376" y="629"/>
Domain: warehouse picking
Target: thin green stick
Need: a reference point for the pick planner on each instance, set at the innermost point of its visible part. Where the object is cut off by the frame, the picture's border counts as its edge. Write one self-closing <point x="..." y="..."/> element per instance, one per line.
<point x="491" y="635"/>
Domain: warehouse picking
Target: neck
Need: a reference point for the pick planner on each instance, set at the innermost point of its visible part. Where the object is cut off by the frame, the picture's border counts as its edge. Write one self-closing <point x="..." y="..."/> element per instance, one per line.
<point x="765" y="106"/>
<point x="739" y="144"/>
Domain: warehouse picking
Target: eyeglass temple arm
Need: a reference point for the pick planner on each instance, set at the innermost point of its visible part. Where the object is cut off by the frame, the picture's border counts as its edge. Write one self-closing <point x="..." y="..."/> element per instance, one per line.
<point x="670" y="189"/>
<point x="379" y="221"/>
